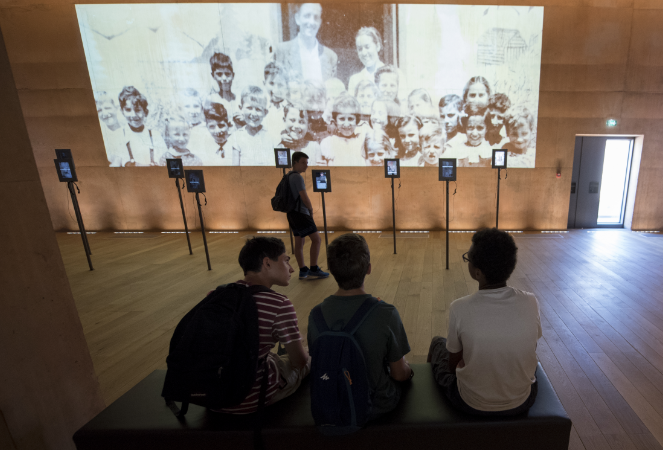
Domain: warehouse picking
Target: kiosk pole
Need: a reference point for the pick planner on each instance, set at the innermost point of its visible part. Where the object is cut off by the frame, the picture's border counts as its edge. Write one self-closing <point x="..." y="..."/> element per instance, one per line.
<point x="393" y="211"/>
<point x="292" y="243"/>
<point x="497" y="212"/>
<point x="324" y="218"/>
<point x="186" y="227"/>
<point x="81" y="226"/>
<point x="447" y="224"/>
<point x="202" y="227"/>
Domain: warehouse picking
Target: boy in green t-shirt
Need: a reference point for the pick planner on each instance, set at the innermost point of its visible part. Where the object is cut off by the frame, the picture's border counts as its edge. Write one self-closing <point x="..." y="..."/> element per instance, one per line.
<point x="381" y="337"/>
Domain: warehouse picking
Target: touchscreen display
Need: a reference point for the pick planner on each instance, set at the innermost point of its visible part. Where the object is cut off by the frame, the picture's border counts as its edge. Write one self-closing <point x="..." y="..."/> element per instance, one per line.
<point x="392" y="168"/>
<point x="321" y="181"/>
<point x="65" y="170"/>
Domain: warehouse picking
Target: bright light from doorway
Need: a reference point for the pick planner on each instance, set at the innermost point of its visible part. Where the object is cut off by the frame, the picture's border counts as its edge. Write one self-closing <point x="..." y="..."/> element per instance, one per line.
<point x="614" y="181"/>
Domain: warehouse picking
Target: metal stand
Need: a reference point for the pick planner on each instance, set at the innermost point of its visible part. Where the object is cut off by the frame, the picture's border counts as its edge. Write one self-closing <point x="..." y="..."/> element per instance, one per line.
<point x="324" y="219"/>
<point x="186" y="227"/>
<point x="393" y="211"/>
<point x="81" y="226"/>
<point x="447" y="225"/>
<point x="292" y="243"/>
<point x="202" y="227"/>
<point x="497" y="212"/>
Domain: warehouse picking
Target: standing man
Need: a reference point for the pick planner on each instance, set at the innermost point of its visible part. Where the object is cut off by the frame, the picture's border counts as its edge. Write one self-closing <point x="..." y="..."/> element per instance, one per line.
<point x="304" y="54"/>
<point x="301" y="220"/>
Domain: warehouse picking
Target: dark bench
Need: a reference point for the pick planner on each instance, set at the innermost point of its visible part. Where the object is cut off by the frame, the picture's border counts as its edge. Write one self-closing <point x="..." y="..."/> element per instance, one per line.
<point x="424" y="419"/>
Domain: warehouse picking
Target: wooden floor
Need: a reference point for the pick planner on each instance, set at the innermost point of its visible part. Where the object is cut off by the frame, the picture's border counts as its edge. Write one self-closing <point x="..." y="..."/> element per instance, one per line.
<point x="601" y="298"/>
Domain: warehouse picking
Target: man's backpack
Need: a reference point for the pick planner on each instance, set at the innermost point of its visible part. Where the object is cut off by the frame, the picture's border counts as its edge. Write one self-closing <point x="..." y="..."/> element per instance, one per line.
<point x="213" y="356"/>
<point x="283" y="200"/>
<point x="340" y="391"/>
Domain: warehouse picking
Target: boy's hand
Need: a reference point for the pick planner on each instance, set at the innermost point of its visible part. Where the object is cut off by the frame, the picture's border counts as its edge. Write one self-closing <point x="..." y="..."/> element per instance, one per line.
<point x="238" y="118"/>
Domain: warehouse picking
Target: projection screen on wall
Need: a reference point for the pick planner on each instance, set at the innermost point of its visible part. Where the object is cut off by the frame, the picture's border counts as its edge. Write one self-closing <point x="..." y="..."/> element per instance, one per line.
<point x="348" y="84"/>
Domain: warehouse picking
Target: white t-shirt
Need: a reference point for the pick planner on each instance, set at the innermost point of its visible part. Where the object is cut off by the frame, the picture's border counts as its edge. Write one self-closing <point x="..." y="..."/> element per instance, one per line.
<point x="497" y="330"/>
<point x="311" y="69"/>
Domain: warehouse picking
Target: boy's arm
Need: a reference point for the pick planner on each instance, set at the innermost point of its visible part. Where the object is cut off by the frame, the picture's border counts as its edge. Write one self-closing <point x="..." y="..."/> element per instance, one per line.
<point x="400" y="370"/>
<point x="456" y="361"/>
<point x="297" y="353"/>
<point x="306" y="201"/>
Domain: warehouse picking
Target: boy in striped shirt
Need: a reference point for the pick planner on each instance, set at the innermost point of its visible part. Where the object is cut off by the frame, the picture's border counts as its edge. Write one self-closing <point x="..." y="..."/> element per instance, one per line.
<point x="265" y="262"/>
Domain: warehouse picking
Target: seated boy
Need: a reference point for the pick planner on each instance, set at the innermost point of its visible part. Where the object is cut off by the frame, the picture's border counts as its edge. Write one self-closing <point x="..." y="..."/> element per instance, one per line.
<point x="252" y="145"/>
<point x="487" y="363"/>
<point x="381" y="336"/>
<point x="266" y="263"/>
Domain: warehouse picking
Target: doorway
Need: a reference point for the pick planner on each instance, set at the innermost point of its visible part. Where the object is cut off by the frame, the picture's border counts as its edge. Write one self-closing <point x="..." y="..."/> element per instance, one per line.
<point x="600" y="181"/>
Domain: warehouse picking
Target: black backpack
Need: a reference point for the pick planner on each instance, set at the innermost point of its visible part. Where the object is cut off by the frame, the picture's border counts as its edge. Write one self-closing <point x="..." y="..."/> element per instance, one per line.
<point x="213" y="356"/>
<point x="283" y="200"/>
<point x="340" y="391"/>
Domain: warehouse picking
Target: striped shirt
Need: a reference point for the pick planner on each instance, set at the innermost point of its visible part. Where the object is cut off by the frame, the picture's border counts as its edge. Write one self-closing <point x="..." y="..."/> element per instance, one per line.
<point x="277" y="322"/>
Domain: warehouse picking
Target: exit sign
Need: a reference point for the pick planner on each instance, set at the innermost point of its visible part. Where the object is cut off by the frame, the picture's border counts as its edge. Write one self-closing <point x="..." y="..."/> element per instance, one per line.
<point x="611" y="122"/>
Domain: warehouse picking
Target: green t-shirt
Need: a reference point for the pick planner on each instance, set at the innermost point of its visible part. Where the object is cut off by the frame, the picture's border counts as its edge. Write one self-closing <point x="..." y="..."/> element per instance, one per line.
<point x="382" y="340"/>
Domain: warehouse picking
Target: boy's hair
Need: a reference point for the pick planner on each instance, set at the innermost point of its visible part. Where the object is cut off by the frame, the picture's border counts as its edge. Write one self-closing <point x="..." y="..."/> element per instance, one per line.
<point x="387" y="68"/>
<point x="515" y="114"/>
<point x="297" y="156"/>
<point x="287" y="107"/>
<point x="495" y="253"/>
<point x="313" y="92"/>
<point x="298" y="6"/>
<point x="433" y="114"/>
<point x="274" y="69"/>
<point x="380" y="137"/>
<point x="256" y="249"/>
<point x="348" y="258"/>
<point x="472" y="110"/>
<point x="373" y="34"/>
<point x="131" y="93"/>
<point x="365" y="84"/>
<point x="346" y="104"/>
<point x="191" y="92"/>
<point x="406" y="120"/>
<point x="422" y="94"/>
<point x="254" y="94"/>
<point x="475" y="80"/>
<point x="393" y="110"/>
<point x="451" y="99"/>
<point x="499" y="102"/>
<point x="430" y="131"/>
<point x="216" y="112"/>
<point x="221" y="61"/>
<point x="101" y="97"/>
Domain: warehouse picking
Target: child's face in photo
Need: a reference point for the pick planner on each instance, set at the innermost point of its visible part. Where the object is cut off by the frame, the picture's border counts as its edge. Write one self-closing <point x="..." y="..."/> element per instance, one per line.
<point x="294" y="92"/>
<point x="375" y="153"/>
<point x="134" y="113"/>
<point x="476" y="130"/>
<point x="477" y="95"/>
<point x="521" y="135"/>
<point x="496" y="118"/>
<point x="418" y="106"/>
<point x="346" y="122"/>
<point x="218" y="130"/>
<point x="379" y="115"/>
<point x="432" y="149"/>
<point x="388" y="85"/>
<point x="366" y="97"/>
<point x="223" y="76"/>
<point x="107" y="113"/>
<point x="315" y="104"/>
<point x="296" y="124"/>
<point x="451" y="117"/>
<point x="193" y="109"/>
<point x="254" y="112"/>
<point x="178" y="135"/>
<point x="367" y="50"/>
<point x="409" y="135"/>
<point x="277" y="88"/>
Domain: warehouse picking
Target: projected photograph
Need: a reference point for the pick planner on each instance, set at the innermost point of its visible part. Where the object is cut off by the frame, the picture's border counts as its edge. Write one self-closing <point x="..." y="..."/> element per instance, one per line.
<point x="348" y="84"/>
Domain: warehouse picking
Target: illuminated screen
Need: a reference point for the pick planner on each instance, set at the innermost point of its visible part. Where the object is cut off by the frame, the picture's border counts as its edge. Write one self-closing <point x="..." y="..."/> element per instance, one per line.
<point x="348" y="84"/>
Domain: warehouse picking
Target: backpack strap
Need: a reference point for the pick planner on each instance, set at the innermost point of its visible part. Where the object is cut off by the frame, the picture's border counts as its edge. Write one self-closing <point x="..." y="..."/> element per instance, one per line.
<point x="319" y="319"/>
<point x="362" y="313"/>
<point x="298" y="202"/>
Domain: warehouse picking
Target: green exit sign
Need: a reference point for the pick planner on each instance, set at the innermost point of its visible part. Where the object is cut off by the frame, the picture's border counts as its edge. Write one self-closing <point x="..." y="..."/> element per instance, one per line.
<point x="611" y="122"/>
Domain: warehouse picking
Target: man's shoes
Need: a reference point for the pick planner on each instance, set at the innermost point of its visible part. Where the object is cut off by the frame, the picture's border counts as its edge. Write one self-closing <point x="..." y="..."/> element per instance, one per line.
<point x="316" y="273"/>
<point x="303" y="273"/>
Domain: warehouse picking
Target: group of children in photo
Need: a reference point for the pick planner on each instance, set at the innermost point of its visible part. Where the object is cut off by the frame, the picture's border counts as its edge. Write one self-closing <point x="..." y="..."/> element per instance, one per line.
<point x="361" y="126"/>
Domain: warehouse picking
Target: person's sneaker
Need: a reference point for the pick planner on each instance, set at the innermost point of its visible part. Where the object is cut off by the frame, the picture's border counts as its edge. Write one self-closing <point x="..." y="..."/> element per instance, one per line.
<point x="318" y="273"/>
<point x="303" y="273"/>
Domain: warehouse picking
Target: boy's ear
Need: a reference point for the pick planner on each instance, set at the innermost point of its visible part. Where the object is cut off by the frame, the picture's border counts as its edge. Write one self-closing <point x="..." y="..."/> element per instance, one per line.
<point x="368" y="272"/>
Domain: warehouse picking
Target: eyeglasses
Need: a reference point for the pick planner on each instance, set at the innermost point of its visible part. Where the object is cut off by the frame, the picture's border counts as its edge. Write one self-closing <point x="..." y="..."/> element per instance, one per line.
<point x="465" y="258"/>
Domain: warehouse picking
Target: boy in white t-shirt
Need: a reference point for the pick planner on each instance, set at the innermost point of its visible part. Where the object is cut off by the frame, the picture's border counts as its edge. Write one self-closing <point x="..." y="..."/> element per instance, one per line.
<point x="487" y="364"/>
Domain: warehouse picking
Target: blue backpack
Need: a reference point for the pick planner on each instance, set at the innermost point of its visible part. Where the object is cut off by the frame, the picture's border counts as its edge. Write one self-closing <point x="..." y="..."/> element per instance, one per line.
<point x="340" y="391"/>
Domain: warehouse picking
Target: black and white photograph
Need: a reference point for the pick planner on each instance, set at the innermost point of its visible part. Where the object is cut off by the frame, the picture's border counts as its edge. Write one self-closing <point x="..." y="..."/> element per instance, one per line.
<point x="348" y="84"/>
<point x="321" y="181"/>
<point x="65" y="170"/>
<point x="499" y="159"/>
<point x="392" y="167"/>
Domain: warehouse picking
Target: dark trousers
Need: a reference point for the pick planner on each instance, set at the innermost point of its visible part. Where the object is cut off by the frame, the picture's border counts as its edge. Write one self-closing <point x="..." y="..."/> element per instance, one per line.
<point x="439" y="357"/>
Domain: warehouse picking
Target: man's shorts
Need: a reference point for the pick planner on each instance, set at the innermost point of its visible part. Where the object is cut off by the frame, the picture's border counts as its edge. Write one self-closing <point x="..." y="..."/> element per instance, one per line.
<point x="301" y="224"/>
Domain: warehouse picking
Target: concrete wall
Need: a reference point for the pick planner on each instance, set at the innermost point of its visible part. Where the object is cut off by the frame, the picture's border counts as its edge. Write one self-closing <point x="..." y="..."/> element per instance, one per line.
<point x="601" y="59"/>
<point x="48" y="385"/>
